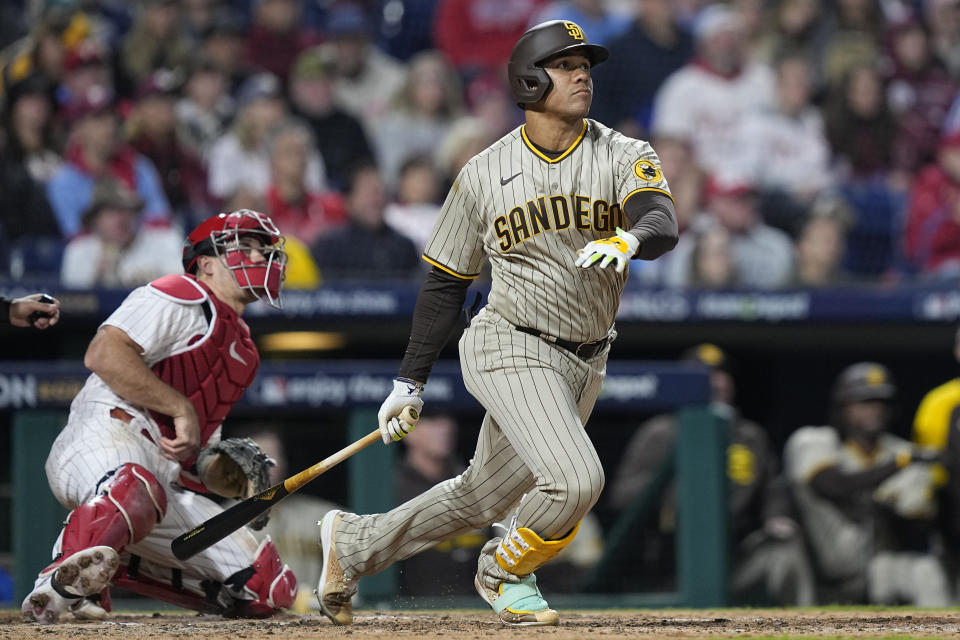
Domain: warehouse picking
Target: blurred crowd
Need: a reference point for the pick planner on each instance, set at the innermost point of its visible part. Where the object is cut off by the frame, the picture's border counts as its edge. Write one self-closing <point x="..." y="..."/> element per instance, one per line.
<point x="807" y="143"/>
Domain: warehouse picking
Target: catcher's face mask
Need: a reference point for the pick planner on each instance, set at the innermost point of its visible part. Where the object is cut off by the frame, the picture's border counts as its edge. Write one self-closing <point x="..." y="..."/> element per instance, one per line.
<point x="249" y="245"/>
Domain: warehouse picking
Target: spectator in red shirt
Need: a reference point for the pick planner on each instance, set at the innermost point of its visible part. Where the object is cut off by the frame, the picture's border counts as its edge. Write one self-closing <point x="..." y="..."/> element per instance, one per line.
<point x="275" y="38"/>
<point x="296" y="209"/>
<point x="933" y="216"/>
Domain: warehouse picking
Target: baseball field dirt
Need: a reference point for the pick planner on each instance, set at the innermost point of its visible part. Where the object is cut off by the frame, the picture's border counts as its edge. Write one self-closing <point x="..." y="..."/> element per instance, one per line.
<point x="475" y="625"/>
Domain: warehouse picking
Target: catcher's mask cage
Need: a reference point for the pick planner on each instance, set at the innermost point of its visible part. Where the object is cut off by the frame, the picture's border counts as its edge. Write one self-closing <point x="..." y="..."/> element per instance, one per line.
<point x="529" y="82"/>
<point x="227" y="236"/>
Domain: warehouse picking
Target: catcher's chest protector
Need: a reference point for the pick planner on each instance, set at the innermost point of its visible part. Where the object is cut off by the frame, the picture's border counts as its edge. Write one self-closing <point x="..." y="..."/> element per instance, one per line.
<point x="217" y="367"/>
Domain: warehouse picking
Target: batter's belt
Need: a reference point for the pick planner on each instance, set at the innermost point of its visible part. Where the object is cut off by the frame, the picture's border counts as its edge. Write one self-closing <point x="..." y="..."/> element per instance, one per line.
<point x="583" y="350"/>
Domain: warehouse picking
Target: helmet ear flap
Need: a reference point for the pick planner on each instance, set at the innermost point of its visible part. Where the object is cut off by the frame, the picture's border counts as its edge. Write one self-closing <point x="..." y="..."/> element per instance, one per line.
<point x="531" y="86"/>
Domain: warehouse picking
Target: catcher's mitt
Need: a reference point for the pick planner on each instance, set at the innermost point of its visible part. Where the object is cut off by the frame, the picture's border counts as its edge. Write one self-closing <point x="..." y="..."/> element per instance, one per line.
<point x="236" y="468"/>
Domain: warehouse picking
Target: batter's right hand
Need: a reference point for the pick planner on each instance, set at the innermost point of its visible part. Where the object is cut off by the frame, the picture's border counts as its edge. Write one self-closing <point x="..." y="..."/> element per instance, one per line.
<point x="186" y="442"/>
<point x="406" y="393"/>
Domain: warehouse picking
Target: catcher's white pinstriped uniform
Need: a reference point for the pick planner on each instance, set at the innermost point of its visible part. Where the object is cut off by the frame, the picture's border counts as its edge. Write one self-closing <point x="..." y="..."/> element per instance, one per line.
<point x="93" y="443"/>
<point x="529" y="213"/>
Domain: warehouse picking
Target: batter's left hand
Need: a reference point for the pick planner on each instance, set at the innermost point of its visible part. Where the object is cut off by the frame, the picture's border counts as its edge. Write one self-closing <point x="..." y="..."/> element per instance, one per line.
<point x="619" y="248"/>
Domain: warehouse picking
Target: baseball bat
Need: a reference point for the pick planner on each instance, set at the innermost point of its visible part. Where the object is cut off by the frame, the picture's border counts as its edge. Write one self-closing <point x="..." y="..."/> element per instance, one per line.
<point x="218" y="527"/>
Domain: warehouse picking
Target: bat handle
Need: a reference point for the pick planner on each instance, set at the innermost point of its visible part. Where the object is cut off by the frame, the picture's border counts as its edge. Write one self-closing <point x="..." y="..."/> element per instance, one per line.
<point x="410" y="415"/>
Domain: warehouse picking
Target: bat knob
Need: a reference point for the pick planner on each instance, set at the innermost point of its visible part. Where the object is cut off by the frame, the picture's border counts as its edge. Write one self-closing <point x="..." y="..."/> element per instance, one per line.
<point x="411" y="415"/>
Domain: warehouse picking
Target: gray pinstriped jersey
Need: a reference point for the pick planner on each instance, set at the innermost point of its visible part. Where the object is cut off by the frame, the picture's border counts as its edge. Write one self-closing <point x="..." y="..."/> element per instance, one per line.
<point x="531" y="214"/>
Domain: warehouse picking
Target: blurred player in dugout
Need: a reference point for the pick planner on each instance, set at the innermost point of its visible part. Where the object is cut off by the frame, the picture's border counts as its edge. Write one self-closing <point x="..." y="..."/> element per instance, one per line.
<point x="936" y="426"/>
<point x="770" y="561"/>
<point x="867" y="498"/>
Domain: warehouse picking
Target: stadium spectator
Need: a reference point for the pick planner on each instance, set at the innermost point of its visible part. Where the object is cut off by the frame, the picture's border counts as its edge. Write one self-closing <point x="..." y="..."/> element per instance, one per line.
<point x="467" y="137"/>
<point x="223" y="44"/>
<point x="276" y="37"/>
<point x="821" y="244"/>
<point x="919" y="92"/>
<point x="709" y="100"/>
<point x="340" y="137"/>
<point x="366" y="247"/>
<point x="421" y="114"/>
<point x="686" y="178"/>
<point x="762" y="255"/>
<point x="94" y="151"/>
<point x="942" y="18"/>
<point x="151" y="128"/>
<point x="865" y="498"/>
<point x="640" y="60"/>
<point x="205" y="107"/>
<point x="797" y="29"/>
<point x="240" y="159"/>
<point x="367" y="79"/>
<point x="853" y="35"/>
<point x="416" y="205"/>
<point x="431" y="457"/>
<point x="711" y="260"/>
<point x="155" y="41"/>
<point x="115" y="251"/>
<point x="407" y="29"/>
<point x="933" y="216"/>
<point x="27" y="160"/>
<point x="596" y="17"/>
<point x="790" y="155"/>
<point x="294" y="207"/>
<point x="478" y="35"/>
<point x="489" y="99"/>
<point x="88" y="64"/>
<point x="770" y="554"/>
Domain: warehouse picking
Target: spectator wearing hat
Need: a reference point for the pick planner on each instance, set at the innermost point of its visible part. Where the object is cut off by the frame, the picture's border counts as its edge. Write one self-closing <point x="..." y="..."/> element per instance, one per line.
<point x="932" y="239"/>
<point x="151" y="128"/>
<point x="115" y="251"/>
<point x="653" y="48"/>
<point x="27" y="160"/>
<point x="770" y="555"/>
<point x="94" y="151"/>
<point x="86" y="65"/>
<point x="240" y="159"/>
<point x="205" y="106"/>
<point x="339" y="136"/>
<point x="276" y="37"/>
<point x="421" y="113"/>
<point x="366" y="78"/>
<point x="708" y="101"/>
<point x="762" y="255"/>
<point x="155" y="41"/>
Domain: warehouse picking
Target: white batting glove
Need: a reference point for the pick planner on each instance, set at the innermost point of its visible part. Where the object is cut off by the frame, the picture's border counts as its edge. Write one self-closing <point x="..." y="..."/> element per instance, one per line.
<point x="619" y="248"/>
<point x="406" y="393"/>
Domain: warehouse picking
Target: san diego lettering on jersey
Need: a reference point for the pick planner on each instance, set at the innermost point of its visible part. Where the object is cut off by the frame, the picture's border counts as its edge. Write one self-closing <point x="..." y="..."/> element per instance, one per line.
<point x="555" y="213"/>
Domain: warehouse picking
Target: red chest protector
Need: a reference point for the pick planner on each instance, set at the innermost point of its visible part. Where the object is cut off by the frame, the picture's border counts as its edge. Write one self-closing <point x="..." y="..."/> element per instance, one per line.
<point x="216" y="368"/>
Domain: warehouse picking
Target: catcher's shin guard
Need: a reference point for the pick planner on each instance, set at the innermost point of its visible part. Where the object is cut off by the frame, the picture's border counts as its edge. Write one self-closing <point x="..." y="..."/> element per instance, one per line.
<point x="265" y="587"/>
<point x="522" y="551"/>
<point x="128" y="505"/>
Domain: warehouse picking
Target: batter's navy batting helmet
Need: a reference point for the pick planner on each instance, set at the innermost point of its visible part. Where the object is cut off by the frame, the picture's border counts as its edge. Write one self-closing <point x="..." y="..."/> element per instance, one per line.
<point x="528" y="81"/>
<point x="864" y="381"/>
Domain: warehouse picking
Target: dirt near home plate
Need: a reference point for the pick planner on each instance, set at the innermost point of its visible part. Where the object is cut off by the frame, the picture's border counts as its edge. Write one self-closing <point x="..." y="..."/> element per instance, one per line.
<point x="478" y="624"/>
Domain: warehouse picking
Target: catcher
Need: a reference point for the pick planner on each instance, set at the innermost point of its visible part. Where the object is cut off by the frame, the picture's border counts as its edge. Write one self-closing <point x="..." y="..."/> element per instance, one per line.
<point x="142" y="442"/>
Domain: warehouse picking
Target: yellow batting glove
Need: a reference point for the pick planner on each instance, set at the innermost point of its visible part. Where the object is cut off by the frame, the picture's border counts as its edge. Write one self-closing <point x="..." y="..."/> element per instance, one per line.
<point x="619" y="248"/>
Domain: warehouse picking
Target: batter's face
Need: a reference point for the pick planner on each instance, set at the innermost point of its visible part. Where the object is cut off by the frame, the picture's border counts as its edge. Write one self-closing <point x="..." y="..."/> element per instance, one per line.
<point x="572" y="90"/>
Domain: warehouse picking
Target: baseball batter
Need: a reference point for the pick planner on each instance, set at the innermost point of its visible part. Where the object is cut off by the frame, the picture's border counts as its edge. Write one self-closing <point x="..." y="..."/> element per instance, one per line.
<point x="167" y="366"/>
<point x="547" y="204"/>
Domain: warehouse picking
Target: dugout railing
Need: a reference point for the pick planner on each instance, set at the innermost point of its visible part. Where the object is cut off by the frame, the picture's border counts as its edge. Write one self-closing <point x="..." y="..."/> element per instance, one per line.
<point x="38" y="395"/>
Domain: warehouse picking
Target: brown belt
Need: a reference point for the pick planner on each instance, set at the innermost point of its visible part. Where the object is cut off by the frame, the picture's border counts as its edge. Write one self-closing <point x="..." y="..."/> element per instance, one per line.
<point x="121" y="415"/>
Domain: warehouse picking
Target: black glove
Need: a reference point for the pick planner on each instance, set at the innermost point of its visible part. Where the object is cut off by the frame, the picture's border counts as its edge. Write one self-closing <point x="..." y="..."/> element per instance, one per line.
<point x="236" y="468"/>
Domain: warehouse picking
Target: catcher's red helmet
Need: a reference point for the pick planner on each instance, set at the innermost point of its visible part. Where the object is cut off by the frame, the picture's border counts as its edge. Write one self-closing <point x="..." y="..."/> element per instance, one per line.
<point x="220" y="236"/>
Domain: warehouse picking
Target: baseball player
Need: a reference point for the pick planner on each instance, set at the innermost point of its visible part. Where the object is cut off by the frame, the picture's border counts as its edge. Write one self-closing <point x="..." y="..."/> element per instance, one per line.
<point x="866" y="498"/>
<point x="167" y="367"/>
<point x="560" y="206"/>
<point x="37" y="310"/>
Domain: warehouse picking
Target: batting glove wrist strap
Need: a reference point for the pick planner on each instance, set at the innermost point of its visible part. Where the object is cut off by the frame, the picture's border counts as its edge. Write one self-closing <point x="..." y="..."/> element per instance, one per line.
<point x="619" y="248"/>
<point x="406" y="393"/>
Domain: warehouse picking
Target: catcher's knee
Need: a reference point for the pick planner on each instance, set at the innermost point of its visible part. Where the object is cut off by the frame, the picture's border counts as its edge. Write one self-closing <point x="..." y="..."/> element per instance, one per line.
<point x="128" y="505"/>
<point x="265" y="587"/>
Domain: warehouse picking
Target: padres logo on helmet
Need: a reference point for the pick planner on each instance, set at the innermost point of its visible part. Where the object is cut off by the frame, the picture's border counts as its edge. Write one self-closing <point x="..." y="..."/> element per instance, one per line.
<point x="528" y="80"/>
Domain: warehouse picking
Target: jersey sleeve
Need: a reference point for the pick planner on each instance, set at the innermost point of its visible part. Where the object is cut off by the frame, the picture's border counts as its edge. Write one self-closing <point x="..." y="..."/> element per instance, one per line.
<point x="456" y="243"/>
<point x="808" y="451"/>
<point x="159" y="325"/>
<point x="638" y="171"/>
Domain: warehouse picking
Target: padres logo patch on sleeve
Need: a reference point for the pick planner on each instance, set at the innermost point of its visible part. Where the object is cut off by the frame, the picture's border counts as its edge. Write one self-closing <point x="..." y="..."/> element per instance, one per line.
<point x="646" y="170"/>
